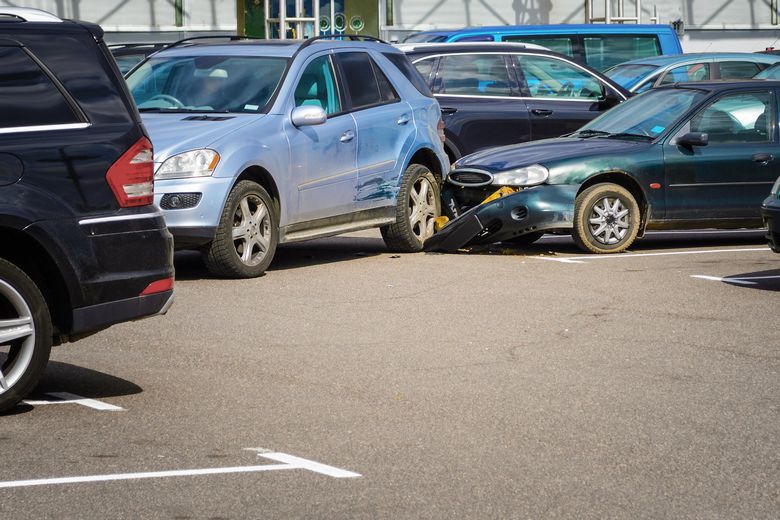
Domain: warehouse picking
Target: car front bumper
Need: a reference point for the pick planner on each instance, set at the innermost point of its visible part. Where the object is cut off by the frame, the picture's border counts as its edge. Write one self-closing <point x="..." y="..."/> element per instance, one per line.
<point x="770" y="210"/>
<point x="541" y="208"/>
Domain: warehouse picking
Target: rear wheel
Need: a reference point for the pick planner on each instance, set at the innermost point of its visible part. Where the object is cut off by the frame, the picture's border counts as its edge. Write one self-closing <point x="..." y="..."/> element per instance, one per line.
<point x="606" y="219"/>
<point x="25" y="335"/>
<point x="418" y="206"/>
<point x="247" y="234"/>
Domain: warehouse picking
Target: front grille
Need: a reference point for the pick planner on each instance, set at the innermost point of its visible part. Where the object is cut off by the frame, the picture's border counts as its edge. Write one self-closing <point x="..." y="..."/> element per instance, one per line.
<point x="180" y="200"/>
<point x="470" y="178"/>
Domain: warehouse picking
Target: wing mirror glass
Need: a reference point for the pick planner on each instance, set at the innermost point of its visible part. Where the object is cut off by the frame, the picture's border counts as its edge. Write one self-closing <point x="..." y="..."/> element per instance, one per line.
<point x="308" y="116"/>
<point x="692" y="139"/>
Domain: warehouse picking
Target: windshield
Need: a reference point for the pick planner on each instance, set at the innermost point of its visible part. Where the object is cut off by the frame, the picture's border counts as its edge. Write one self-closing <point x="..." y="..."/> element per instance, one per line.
<point x="646" y="115"/>
<point x="772" y="72"/>
<point x="629" y="75"/>
<point x="206" y="83"/>
<point x="424" y="38"/>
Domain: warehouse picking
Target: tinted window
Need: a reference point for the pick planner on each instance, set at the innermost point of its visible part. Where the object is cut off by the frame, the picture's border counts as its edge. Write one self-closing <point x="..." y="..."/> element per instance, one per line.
<point x="474" y="75"/>
<point x="686" y="73"/>
<point x="317" y="86"/>
<point x="386" y="89"/>
<point x="630" y="75"/>
<point x="475" y="38"/>
<point x="405" y="66"/>
<point x="735" y="118"/>
<point x="561" y="44"/>
<point x="423" y="38"/>
<point x="27" y="95"/>
<point x="601" y="52"/>
<point x="738" y="69"/>
<point x="552" y="78"/>
<point x="772" y="72"/>
<point x="366" y="83"/>
<point x="425" y="67"/>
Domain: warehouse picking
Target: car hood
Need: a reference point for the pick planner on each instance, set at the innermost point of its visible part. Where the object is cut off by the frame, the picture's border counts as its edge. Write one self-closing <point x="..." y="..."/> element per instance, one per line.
<point x="176" y="133"/>
<point x="548" y="152"/>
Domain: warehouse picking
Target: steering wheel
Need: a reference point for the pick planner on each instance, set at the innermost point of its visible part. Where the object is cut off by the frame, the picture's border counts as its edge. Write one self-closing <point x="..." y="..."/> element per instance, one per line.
<point x="567" y="89"/>
<point x="170" y="99"/>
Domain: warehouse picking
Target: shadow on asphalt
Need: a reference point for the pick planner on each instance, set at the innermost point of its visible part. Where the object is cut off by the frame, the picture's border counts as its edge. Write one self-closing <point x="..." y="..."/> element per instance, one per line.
<point x="761" y="280"/>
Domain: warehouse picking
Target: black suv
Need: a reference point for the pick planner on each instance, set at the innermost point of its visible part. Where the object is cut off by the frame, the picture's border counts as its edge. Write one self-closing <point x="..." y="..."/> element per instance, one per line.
<point x="494" y="94"/>
<point x="81" y="245"/>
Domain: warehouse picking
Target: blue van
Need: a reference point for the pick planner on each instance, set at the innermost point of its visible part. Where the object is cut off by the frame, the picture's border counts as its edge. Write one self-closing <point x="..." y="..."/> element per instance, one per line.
<point x="598" y="45"/>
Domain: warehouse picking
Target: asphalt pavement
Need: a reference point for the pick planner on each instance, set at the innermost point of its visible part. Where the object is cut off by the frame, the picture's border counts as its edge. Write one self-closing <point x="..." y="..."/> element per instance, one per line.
<point x="350" y="382"/>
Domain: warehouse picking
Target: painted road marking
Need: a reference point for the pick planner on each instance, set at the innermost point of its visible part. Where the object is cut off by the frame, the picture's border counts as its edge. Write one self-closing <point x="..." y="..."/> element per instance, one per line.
<point x="289" y="462"/>
<point x="68" y="398"/>
<point x="744" y="280"/>
<point x="581" y="259"/>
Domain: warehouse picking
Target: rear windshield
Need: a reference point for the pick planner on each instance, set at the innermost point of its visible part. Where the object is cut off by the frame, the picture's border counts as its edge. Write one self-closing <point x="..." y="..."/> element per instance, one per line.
<point x="629" y="75"/>
<point x="408" y="70"/>
<point x="206" y="83"/>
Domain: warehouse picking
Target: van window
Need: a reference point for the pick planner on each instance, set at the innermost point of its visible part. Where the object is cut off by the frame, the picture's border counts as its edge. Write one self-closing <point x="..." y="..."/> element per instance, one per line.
<point x="602" y="52"/>
<point x="474" y="75"/>
<point x="27" y="96"/>
<point x="475" y="38"/>
<point x="557" y="43"/>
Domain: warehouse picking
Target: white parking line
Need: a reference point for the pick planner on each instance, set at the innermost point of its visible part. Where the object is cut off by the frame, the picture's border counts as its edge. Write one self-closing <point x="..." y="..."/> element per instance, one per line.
<point x="744" y="280"/>
<point x="68" y="398"/>
<point x="288" y="462"/>
<point x="581" y="259"/>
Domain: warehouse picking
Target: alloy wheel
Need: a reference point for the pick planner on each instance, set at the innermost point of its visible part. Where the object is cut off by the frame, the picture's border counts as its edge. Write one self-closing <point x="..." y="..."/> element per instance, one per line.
<point x="609" y="220"/>
<point x="251" y="230"/>
<point x="422" y="209"/>
<point x="17" y="336"/>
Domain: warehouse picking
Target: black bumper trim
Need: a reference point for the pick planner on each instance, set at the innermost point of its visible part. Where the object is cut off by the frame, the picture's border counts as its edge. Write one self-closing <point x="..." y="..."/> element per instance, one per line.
<point x="102" y="315"/>
<point x="192" y="237"/>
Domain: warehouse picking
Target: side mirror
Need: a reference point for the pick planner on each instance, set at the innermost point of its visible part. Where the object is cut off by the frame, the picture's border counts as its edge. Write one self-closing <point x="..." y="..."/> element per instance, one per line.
<point x="692" y="139"/>
<point x="308" y="116"/>
<point x="608" y="98"/>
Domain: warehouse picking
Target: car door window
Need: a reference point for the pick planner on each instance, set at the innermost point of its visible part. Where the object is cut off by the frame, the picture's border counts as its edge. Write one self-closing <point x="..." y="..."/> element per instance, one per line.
<point x="547" y="77"/>
<point x="560" y="44"/>
<point x="367" y="85"/>
<point x="28" y="97"/>
<point x="425" y="67"/>
<point x="474" y="75"/>
<point x="686" y="73"/>
<point x="738" y="69"/>
<point x="734" y="118"/>
<point x="318" y="87"/>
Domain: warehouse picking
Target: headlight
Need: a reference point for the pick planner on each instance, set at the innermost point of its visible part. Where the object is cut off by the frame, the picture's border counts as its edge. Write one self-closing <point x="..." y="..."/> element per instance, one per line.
<point x="195" y="163"/>
<point x="528" y="176"/>
<point x="776" y="188"/>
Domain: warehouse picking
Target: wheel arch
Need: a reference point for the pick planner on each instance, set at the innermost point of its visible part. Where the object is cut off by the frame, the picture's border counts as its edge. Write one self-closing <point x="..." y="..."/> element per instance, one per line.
<point x="625" y="180"/>
<point x="264" y="178"/>
<point x="429" y="159"/>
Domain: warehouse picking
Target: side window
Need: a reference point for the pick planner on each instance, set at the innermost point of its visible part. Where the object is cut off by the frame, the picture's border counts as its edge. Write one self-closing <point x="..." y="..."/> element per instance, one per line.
<point x="367" y="84"/>
<point x="317" y="86"/>
<point x="560" y="44"/>
<point x="738" y="69"/>
<point x="553" y="78"/>
<point x="602" y="52"/>
<point x="687" y="73"/>
<point x="28" y="97"/>
<point x="415" y="76"/>
<point x="475" y="38"/>
<point x="474" y="75"/>
<point x="425" y="67"/>
<point x="735" y="118"/>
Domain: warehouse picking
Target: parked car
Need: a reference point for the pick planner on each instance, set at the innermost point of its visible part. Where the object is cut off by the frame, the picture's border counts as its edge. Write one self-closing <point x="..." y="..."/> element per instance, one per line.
<point x="770" y="210"/>
<point x="128" y="55"/>
<point x="771" y="72"/>
<point x="644" y="74"/>
<point x="494" y="94"/>
<point x="686" y="156"/>
<point x="81" y="245"/>
<point x="598" y="45"/>
<point x="259" y="143"/>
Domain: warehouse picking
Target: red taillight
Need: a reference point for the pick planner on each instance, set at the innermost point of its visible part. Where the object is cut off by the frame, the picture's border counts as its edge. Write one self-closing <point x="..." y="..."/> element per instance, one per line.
<point x="166" y="284"/>
<point x="440" y="129"/>
<point x="131" y="177"/>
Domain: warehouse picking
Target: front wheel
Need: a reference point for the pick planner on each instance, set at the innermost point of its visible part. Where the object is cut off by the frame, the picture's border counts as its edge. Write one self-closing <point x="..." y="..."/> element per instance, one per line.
<point x="606" y="219"/>
<point x="247" y="234"/>
<point x="418" y="206"/>
<point x="25" y="335"/>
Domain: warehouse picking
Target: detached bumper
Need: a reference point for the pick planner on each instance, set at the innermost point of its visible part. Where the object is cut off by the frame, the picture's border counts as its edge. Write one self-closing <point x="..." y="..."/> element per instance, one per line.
<point x="543" y="208"/>
<point x="770" y="210"/>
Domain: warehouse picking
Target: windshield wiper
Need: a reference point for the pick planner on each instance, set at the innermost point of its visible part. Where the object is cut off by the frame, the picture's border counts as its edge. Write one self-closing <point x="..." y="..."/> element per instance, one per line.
<point x="175" y="110"/>
<point x="627" y="135"/>
<point x="588" y="133"/>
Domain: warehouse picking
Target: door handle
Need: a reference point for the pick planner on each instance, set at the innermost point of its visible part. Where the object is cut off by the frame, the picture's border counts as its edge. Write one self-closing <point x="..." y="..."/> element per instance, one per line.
<point x="347" y="136"/>
<point x="541" y="112"/>
<point x="403" y="119"/>
<point x="448" y="110"/>
<point x="762" y="158"/>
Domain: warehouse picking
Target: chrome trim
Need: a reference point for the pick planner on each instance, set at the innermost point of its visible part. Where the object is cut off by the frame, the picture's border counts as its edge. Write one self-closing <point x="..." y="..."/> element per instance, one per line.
<point x="705" y="184"/>
<point x="44" y="128"/>
<point x="28" y="14"/>
<point x="472" y="185"/>
<point x="325" y="180"/>
<point x="594" y="100"/>
<point x="119" y="218"/>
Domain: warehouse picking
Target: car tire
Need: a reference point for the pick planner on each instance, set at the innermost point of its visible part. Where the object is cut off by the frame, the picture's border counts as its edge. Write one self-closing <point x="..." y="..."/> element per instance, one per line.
<point x="606" y="219"/>
<point x="417" y="207"/>
<point x="26" y="332"/>
<point x="526" y="239"/>
<point x="247" y="234"/>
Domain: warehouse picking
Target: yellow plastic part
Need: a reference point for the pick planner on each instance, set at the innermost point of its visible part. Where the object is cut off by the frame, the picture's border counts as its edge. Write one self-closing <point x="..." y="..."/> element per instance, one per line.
<point x="440" y="222"/>
<point x="501" y="192"/>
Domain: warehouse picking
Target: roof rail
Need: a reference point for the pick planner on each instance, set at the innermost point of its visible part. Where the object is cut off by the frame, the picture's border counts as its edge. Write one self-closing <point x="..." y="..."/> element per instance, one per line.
<point x="28" y="14"/>
<point x="231" y="37"/>
<point x="351" y="37"/>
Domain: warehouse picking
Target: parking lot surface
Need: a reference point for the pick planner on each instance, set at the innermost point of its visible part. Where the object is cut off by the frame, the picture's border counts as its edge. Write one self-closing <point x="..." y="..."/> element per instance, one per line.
<point x="505" y="383"/>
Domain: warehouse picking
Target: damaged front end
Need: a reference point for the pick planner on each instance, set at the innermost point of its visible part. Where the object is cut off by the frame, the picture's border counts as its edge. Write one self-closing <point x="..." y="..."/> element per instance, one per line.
<point x="505" y="214"/>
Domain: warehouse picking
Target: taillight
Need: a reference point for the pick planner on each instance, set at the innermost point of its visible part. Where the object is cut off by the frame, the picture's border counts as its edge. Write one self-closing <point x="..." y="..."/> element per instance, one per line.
<point x="131" y="177"/>
<point x="166" y="284"/>
<point x="440" y="129"/>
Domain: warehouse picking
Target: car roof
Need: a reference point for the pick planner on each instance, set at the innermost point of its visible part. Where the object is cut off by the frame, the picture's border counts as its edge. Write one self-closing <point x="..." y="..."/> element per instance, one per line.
<point x="723" y="84"/>
<point x="661" y="61"/>
<point x="265" y="48"/>
<point x="431" y="47"/>
<point x="555" y="29"/>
